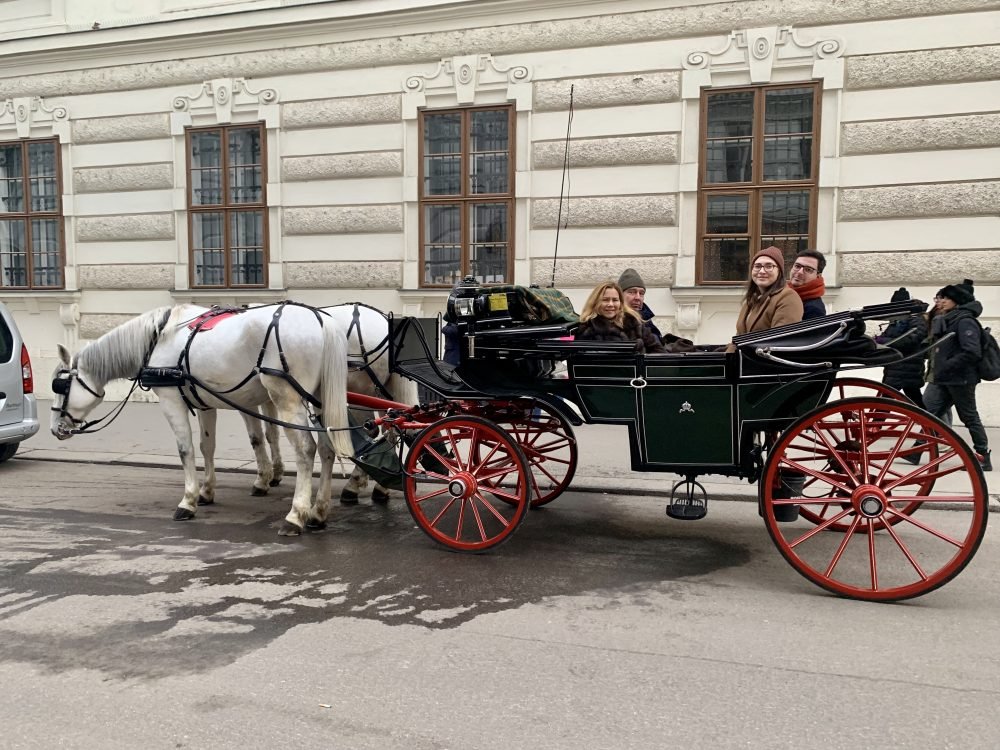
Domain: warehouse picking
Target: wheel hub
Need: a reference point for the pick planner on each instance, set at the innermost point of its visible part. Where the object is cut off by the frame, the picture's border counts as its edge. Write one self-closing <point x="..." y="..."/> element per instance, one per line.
<point x="462" y="485"/>
<point x="869" y="501"/>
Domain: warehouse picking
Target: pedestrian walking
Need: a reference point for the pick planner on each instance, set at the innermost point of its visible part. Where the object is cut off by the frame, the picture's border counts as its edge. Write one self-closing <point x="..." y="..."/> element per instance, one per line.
<point x="906" y="336"/>
<point x="952" y="374"/>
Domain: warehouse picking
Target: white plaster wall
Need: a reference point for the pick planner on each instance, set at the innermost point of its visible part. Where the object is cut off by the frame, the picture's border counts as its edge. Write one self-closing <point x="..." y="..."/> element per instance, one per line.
<point x="913" y="125"/>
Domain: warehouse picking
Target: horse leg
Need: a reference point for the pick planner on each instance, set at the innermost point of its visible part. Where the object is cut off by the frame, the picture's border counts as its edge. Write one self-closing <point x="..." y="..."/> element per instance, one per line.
<point x="264" y="467"/>
<point x="321" y="504"/>
<point x="206" y="430"/>
<point x="274" y="443"/>
<point x="357" y="482"/>
<point x="177" y="417"/>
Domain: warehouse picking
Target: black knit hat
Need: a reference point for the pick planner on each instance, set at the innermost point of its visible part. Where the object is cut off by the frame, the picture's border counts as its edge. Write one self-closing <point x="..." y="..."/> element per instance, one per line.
<point x="630" y="278"/>
<point x="960" y="294"/>
<point x="900" y="295"/>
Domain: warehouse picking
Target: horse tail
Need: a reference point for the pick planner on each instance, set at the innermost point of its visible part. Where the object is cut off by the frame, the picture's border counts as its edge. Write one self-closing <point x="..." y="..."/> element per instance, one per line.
<point x="333" y="387"/>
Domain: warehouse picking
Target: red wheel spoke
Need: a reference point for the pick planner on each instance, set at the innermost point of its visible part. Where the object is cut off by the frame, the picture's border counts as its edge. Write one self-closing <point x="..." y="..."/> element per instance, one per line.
<point x="820" y="527"/>
<point x="920" y="525"/>
<point x="963" y="499"/>
<point x="489" y="506"/>
<point x="455" y="451"/>
<point x="821" y="475"/>
<point x="437" y="493"/>
<point x="479" y="520"/>
<point x="906" y="552"/>
<point x="842" y="546"/>
<point x="872" y="556"/>
<point x="923" y="470"/>
<point x="840" y="459"/>
<point x="434" y="521"/>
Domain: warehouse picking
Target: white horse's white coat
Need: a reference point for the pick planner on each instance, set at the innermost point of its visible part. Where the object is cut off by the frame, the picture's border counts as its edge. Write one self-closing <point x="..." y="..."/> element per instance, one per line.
<point x="314" y="347"/>
<point x="366" y="341"/>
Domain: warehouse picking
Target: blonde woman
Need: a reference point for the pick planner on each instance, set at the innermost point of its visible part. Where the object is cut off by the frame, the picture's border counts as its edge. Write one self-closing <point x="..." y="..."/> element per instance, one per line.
<point x="606" y="318"/>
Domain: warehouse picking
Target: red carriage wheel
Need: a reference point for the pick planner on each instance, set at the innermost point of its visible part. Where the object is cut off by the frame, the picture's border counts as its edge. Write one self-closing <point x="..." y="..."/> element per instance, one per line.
<point x="849" y="439"/>
<point x="548" y="443"/>
<point x="868" y="547"/>
<point x="467" y="483"/>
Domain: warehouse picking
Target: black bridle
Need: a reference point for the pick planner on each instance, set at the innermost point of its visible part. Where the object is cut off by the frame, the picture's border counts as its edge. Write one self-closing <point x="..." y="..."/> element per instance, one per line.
<point x="62" y="383"/>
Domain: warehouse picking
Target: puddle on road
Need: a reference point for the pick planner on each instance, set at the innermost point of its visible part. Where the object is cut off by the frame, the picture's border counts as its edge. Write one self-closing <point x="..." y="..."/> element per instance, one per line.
<point x="143" y="597"/>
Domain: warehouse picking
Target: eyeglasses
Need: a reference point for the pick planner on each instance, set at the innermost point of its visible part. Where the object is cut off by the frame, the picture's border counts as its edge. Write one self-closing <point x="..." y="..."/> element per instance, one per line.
<point x="764" y="267"/>
<point x="800" y="267"/>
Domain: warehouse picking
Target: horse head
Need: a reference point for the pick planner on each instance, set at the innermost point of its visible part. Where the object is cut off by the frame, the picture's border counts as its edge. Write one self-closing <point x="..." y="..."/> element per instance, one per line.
<point x="75" y="394"/>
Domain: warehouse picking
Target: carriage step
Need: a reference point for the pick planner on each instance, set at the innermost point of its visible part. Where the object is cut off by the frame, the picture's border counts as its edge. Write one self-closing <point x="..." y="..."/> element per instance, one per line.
<point x="687" y="506"/>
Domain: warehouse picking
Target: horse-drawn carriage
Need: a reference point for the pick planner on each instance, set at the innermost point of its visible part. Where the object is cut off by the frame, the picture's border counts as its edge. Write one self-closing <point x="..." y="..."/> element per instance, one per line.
<point x="869" y="497"/>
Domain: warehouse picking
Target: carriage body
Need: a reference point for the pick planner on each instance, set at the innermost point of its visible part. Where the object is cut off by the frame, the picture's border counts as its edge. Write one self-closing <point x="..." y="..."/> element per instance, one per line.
<point x="856" y="469"/>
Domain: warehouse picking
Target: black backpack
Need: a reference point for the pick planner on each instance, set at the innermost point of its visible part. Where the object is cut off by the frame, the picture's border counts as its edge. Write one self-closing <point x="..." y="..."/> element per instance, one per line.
<point x="989" y="364"/>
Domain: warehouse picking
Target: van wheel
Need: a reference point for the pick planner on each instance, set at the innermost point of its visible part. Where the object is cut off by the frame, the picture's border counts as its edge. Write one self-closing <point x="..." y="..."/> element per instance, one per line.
<point x="7" y="450"/>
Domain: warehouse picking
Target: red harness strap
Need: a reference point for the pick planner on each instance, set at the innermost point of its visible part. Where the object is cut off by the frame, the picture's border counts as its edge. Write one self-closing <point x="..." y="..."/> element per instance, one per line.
<point x="209" y="320"/>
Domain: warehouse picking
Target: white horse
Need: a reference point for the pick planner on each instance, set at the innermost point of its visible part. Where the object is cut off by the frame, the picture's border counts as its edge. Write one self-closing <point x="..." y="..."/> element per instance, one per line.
<point x="368" y="343"/>
<point x="283" y="355"/>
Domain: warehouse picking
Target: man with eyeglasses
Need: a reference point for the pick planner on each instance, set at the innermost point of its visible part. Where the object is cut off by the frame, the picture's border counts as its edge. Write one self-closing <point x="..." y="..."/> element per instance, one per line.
<point x="806" y="279"/>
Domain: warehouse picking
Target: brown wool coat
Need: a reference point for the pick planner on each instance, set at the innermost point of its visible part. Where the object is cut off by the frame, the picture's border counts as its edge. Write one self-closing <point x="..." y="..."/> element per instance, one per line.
<point x="778" y="308"/>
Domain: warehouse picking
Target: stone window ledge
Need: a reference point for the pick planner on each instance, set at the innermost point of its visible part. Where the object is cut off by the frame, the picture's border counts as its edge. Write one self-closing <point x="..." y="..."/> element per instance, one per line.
<point x="209" y="297"/>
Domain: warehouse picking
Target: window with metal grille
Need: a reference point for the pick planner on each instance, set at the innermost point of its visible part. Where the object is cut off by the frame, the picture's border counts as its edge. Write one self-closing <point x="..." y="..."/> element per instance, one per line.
<point x="757" y="181"/>
<point x="31" y="237"/>
<point x="227" y="206"/>
<point x="466" y="195"/>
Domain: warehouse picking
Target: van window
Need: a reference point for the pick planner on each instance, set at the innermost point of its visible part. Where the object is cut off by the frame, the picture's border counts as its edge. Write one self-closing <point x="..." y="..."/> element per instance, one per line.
<point x="6" y="342"/>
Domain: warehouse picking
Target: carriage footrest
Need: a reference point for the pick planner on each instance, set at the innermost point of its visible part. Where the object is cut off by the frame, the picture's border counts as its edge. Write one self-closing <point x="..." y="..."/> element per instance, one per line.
<point x="687" y="505"/>
<point x="162" y="377"/>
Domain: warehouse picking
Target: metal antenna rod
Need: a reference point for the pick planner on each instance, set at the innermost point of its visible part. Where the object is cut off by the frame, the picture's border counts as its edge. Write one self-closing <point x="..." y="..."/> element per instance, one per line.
<point x="562" y="187"/>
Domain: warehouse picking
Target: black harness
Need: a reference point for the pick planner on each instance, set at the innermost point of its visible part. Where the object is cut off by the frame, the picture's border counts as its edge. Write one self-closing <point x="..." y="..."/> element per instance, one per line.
<point x="368" y="357"/>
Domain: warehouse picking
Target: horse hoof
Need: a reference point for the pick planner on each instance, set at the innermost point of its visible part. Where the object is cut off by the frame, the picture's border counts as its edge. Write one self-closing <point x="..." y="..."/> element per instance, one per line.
<point x="183" y="514"/>
<point x="314" y="525"/>
<point x="202" y="500"/>
<point x="289" y="529"/>
<point x="256" y="491"/>
<point x="276" y="481"/>
<point x="348" y="497"/>
<point x="379" y="496"/>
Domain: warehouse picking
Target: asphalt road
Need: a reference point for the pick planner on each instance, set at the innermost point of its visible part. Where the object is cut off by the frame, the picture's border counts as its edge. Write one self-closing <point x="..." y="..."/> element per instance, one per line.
<point x="601" y="624"/>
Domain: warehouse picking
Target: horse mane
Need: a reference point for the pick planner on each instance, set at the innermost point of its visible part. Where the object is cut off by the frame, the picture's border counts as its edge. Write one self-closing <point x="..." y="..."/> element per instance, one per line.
<point x="122" y="351"/>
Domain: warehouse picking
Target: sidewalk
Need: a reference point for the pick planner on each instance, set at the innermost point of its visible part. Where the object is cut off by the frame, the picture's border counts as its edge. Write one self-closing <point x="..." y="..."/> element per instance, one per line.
<point x="140" y="437"/>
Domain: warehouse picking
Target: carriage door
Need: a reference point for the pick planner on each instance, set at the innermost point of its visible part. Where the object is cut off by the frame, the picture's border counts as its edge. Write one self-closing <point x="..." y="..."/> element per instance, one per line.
<point x="687" y="411"/>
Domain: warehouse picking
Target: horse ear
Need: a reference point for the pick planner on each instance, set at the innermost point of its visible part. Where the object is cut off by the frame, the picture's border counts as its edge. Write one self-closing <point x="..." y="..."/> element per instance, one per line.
<point x="63" y="355"/>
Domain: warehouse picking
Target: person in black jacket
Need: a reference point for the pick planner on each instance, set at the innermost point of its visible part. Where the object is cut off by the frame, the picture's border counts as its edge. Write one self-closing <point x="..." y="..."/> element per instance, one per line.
<point x="634" y="289"/>
<point x="606" y="318"/>
<point x="952" y="374"/>
<point x="907" y="337"/>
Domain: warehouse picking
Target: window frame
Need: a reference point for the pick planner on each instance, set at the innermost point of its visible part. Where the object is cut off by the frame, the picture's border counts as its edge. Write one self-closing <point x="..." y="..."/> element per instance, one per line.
<point x="226" y="208"/>
<point x="28" y="214"/>
<point x="465" y="198"/>
<point x="756" y="186"/>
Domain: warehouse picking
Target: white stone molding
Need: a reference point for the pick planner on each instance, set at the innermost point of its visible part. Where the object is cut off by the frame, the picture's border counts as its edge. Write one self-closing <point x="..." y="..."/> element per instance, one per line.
<point x="226" y="97"/>
<point x="462" y="78"/>
<point x="760" y="51"/>
<point x="29" y="115"/>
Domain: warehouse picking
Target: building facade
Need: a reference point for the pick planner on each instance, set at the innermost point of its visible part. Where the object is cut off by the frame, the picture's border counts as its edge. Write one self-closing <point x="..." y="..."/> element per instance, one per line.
<point x="243" y="151"/>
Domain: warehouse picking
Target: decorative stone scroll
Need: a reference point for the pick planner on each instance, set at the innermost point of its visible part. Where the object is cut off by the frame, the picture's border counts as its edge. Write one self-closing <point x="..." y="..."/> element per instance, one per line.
<point x="761" y="51"/>
<point x="26" y="112"/>
<point x="462" y="77"/>
<point x="226" y="96"/>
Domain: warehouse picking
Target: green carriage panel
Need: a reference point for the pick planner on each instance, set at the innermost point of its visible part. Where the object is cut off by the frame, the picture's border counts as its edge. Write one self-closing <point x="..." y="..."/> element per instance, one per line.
<point x="688" y="424"/>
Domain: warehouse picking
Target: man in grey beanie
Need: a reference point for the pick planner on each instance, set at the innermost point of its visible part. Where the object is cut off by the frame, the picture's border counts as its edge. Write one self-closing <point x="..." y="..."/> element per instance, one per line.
<point x="635" y="297"/>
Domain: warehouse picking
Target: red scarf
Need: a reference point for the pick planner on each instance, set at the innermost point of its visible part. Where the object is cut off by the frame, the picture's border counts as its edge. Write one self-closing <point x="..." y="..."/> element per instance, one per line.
<point x="812" y="290"/>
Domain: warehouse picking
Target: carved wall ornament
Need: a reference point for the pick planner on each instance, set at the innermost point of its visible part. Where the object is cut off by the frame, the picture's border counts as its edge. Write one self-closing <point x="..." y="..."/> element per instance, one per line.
<point x="225" y="95"/>
<point x="759" y="51"/>
<point x="25" y="112"/>
<point x="462" y="77"/>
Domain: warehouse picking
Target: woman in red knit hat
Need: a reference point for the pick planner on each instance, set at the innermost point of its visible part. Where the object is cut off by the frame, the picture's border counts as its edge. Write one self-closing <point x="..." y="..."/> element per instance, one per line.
<point x="769" y="302"/>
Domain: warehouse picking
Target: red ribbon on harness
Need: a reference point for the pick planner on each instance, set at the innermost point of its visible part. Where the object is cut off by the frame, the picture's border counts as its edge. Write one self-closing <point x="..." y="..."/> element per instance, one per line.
<point x="209" y="320"/>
